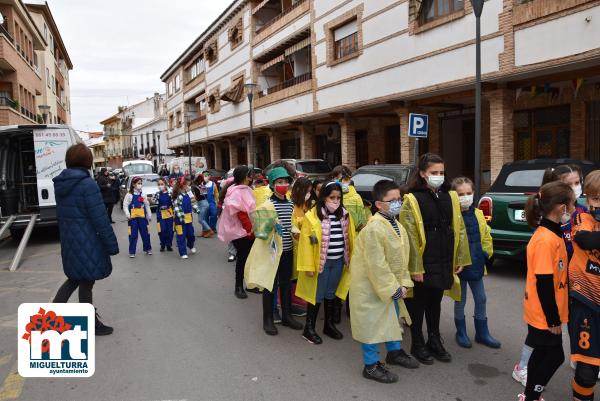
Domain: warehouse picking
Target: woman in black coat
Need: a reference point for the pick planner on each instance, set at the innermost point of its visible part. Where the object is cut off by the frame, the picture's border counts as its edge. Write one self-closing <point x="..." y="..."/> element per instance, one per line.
<point x="87" y="239"/>
<point x="105" y="185"/>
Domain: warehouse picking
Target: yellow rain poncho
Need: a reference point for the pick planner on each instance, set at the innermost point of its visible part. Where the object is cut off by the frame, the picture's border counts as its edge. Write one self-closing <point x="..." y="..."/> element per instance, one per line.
<point x="412" y="220"/>
<point x="309" y="253"/>
<point x="354" y="204"/>
<point x="262" y="194"/>
<point x="263" y="260"/>
<point x="379" y="267"/>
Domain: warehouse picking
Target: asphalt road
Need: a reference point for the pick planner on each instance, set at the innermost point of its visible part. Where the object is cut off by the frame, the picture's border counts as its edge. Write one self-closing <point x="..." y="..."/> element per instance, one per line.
<point x="180" y="334"/>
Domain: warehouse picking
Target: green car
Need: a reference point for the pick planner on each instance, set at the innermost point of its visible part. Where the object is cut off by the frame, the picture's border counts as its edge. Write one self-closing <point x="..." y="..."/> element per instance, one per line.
<point x="504" y="204"/>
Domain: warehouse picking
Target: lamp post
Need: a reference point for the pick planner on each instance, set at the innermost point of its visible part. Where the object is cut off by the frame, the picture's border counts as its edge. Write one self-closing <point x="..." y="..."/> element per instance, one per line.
<point x="477" y="10"/>
<point x="157" y="133"/>
<point x="44" y="109"/>
<point x="250" y="89"/>
<point x="188" y="120"/>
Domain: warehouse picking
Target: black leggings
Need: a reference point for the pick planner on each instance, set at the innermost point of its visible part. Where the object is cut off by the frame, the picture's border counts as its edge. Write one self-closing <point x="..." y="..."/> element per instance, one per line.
<point x="242" y="246"/>
<point x="425" y="302"/>
<point x="66" y="290"/>
<point x="109" y="209"/>
<point x="543" y="363"/>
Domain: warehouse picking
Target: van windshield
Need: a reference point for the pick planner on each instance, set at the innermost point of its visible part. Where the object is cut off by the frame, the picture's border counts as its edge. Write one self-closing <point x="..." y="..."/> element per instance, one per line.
<point x="138" y="168"/>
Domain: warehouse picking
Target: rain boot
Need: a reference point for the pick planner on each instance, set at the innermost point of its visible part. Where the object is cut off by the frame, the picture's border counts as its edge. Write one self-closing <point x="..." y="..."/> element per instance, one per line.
<point x="329" y="328"/>
<point x="309" y="334"/>
<point x="462" y="338"/>
<point x="267" y="306"/>
<point x="286" y="311"/>
<point x="482" y="334"/>
<point x="337" y="310"/>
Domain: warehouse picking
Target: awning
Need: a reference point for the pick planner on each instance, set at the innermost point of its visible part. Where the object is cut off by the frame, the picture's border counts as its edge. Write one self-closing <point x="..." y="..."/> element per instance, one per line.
<point x="200" y="98"/>
<point x="235" y="93"/>
<point x="271" y="63"/>
<point x="298" y="46"/>
<point x="258" y="7"/>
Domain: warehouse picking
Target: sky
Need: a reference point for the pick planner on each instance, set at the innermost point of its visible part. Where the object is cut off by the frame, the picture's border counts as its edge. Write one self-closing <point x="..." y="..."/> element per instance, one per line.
<point x="120" y="48"/>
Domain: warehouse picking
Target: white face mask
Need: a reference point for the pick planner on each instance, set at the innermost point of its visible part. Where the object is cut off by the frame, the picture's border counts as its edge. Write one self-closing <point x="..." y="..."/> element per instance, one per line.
<point x="465" y="201"/>
<point x="307" y="196"/>
<point x="435" y="181"/>
<point x="138" y="187"/>
<point x="566" y="217"/>
<point x="577" y="190"/>
<point x="161" y="187"/>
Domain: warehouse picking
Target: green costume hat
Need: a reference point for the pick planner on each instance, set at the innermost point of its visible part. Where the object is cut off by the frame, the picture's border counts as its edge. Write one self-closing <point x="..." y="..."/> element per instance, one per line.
<point x="277" y="173"/>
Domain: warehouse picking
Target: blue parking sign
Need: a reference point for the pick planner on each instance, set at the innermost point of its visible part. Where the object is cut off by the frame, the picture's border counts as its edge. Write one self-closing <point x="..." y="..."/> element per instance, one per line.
<point x="417" y="125"/>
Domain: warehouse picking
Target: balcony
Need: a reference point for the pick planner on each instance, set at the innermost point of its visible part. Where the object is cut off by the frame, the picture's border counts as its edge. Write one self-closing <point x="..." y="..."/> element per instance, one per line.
<point x="285" y="89"/>
<point x="198" y="122"/>
<point x="274" y="24"/>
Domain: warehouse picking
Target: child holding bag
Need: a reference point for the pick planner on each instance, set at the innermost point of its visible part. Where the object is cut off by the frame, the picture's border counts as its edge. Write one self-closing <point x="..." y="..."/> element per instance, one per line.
<point x="137" y="210"/>
<point x="183" y="208"/>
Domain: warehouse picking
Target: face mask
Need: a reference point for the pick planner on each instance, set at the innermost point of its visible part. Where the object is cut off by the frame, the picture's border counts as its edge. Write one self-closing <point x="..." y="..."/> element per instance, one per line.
<point x="394" y="208"/>
<point x="465" y="201"/>
<point x="161" y="187"/>
<point x="206" y="179"/>
<point x="176" y="171"/>
<point x="345" y="188"/>
<point x="138" y="187"/>
<point x="565" y="218"/>
<point x="282" y="189"/>
<point x="595" y="212"/>
<point x="577" y="190"/>
<point x="307" y="196"/>
<point x="435" y="181"/>
<point x="332" y="206"/>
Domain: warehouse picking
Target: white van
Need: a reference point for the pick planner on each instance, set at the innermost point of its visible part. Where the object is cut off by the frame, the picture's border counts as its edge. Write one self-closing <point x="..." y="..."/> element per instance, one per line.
<point x="138" y="167"/>
<point x="198" y="162"/>
<point x="30" y="157"/>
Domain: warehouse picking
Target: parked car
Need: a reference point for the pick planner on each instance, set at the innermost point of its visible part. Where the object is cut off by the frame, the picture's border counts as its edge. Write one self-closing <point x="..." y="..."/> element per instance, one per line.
<point x="310" y="168"/>
<point x="137" y="167"/>
<point x="217" y="175"/>
<point x="149" y="188"/>
<point x="366" y="177"/>
<point x="504" y="204"/>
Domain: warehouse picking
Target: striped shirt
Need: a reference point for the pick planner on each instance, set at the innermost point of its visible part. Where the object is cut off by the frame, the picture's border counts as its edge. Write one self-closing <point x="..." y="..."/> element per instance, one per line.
<point x="336" y="239"/>
<point x="284" y="209"/>
<point x="393" y="222"/>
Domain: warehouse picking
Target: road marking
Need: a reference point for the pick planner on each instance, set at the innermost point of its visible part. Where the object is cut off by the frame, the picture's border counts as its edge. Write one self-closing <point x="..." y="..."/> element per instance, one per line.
<point x="13" y="385"/>
<point x="35" y="255"/>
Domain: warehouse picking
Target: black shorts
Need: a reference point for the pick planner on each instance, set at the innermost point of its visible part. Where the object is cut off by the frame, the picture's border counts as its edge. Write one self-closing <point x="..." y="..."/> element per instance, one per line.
<point x="584" y="333"/>
<point x="542" y="338"/>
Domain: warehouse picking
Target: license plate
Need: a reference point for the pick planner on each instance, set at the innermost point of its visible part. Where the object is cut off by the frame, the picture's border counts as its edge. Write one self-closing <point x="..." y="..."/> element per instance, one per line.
<point x="520" y="215"/>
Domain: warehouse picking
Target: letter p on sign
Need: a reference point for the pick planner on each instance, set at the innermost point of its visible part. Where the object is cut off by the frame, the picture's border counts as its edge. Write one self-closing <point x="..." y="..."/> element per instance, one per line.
<point x="418" y="125"/>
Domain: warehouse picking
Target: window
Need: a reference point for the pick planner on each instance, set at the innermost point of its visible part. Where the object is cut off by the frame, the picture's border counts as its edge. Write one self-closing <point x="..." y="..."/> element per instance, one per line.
<point x="48" y="77"/>
<point x="171" y="124"/>
<point x="170" y="88"/>
<point x="211" y="53"/>
<point x="53" y="81"/>
<point x="52" y="44"/>
<point x="177" y="83"/>
<point x="214" y="101"/>
<point x="542" y="133"/>
<point x="346" y="40"/>
<point x="45" y="33"/>
<point x="434" y="9"/>
<point x="197" y="68"/>
<point x="236" y="33"/>
<point x="178" y="118"/>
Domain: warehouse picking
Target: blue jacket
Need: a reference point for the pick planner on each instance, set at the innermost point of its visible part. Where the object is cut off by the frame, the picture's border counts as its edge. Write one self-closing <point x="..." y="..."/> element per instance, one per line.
<point x="86" y="237"/>
<point x="476" y="271"/>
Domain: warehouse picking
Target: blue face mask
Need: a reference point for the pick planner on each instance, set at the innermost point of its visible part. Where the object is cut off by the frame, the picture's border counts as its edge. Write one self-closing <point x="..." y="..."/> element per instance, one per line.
<point x="595" y="212"/>
<point x="394" y="208"/>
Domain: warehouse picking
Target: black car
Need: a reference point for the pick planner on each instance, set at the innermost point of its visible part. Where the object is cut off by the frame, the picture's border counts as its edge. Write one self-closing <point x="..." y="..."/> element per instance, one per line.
<point x="366" y="177"/>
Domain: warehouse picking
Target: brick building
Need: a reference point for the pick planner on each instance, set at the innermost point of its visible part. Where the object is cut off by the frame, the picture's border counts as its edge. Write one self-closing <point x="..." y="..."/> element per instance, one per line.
<point x="337" y="80"/>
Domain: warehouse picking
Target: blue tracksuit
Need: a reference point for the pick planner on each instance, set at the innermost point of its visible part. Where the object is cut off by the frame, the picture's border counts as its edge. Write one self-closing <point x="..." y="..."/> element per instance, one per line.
<point x="164" y="217"/>
<point x="183" y="223"/>
<point x="138" y="223"/>
<point x="211" y="190"/>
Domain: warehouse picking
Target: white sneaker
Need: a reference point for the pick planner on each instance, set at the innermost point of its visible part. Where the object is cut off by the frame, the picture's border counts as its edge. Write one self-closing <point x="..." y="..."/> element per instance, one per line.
<point x="184" y="257"/>
<point x="522" y="397"/>
<point x="132" y="256"/>
<point x="520" y="375"/>
<point x="193" y="250"/>
<point x="149" y="253"/>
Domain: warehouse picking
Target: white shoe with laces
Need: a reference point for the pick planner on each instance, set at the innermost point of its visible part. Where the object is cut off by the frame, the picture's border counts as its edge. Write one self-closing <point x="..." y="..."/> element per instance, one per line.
<point x="193" y="250"/>
<point x="132" y="256"/>
<point x="520" y="375"/>
<point x="184" y="257"/>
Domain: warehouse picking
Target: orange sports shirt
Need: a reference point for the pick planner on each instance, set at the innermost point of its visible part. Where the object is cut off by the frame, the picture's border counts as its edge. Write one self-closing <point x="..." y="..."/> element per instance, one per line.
<point x="584" y="269"/>
<point x="546" y="254"/>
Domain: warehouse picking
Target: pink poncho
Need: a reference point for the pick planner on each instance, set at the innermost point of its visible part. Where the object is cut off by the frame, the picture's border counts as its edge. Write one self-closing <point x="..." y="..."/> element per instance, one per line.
<point x="239" y="198"/>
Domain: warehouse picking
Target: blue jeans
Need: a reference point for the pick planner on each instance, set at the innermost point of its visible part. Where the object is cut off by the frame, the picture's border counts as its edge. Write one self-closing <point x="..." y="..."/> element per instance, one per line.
<point x="371" y="351"/>
<point x="478" y="291"/>
<point x="204" y="206"/>
<point x="328" y="281"/>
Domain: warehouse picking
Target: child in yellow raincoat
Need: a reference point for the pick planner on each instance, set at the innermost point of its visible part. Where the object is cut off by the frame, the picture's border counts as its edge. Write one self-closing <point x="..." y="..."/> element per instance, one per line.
<point x="379" y="280"/>
<point x="324" y="252"/>
<point x="439" y="249"/>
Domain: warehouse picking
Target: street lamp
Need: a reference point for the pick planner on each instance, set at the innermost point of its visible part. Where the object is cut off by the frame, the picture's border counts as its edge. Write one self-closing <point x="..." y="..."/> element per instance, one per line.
<point x="44" y="109"/>
<point x="188" y="121"/>
<point x="477" y="10"/>
<point x="251" y="88"/>
<point x="157" y="133"/>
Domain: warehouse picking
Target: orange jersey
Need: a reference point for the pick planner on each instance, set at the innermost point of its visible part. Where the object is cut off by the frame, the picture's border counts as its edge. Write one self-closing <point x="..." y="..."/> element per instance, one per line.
<point x="546" y="254"/>
<point x="584" y="269"/>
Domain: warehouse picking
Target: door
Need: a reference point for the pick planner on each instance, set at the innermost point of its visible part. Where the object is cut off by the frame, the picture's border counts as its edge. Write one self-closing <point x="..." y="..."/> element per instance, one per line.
<point x="362" y="148"/>
<point x="392" y="144"/>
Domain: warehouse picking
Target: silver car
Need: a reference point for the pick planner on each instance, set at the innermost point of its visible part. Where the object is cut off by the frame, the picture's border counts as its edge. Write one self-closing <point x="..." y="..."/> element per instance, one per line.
<point x="149" y="188"/>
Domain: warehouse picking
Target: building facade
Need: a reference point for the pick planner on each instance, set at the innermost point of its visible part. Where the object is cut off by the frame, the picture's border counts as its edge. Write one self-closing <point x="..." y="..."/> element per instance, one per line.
<point x="116" y="149"/>
<point x="54" y="65"/>
<point x="20" y="73"/>
<point x="338" y="78"/>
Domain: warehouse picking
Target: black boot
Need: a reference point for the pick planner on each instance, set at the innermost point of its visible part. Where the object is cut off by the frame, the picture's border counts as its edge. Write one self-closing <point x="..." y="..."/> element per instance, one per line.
<point x="309" y="333"/>
<point x="101" y="328"/>
<point x="418" y="349"/>
<point x="337" y="310"/>
<point x="286" y="311"/>
<point x="267" y="307"/>
<point x="436" y="347"/>
<point x="240" y="293"/>
<point x="329" y="328"/>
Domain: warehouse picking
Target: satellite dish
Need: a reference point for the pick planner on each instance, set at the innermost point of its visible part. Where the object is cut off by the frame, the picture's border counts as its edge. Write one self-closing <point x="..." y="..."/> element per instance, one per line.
<point x="1" y="19"/>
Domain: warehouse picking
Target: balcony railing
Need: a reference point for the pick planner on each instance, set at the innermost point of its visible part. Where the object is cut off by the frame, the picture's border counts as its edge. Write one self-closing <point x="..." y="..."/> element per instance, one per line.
<point x="280" y="16"/>
<point x="5" y="100"/>
<point x="289" y="83"/>
<point x="6" y="33"/>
